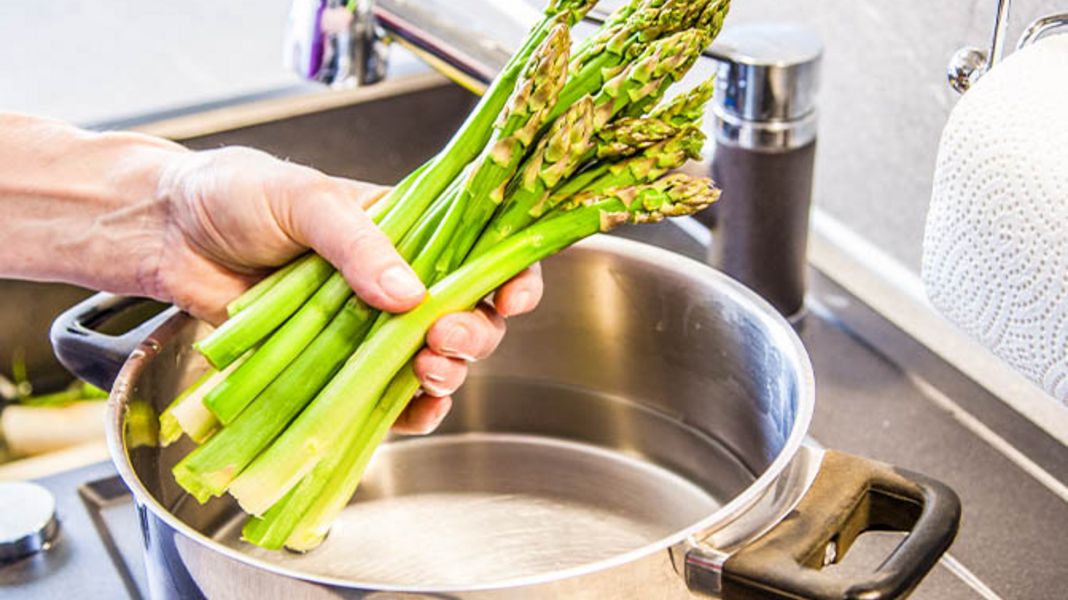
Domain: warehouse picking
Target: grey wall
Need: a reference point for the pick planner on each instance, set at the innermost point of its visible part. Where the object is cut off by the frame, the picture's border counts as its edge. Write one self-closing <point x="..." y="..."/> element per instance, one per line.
<point x="885" y="99"/>
<point x="89" y="61"/>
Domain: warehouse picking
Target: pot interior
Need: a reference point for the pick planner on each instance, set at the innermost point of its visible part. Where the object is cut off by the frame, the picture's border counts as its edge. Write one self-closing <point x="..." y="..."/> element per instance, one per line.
<point x="645" y="393"/>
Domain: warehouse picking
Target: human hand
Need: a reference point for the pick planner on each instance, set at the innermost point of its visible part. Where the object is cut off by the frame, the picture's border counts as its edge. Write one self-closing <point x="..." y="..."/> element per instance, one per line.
<point x="235" y="213"/>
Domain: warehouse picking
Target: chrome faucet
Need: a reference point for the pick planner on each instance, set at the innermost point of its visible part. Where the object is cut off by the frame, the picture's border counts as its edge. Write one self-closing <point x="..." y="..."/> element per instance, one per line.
<point x="345" y="44"/>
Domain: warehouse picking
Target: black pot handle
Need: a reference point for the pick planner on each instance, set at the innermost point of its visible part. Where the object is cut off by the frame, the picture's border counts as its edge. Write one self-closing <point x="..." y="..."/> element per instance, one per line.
<point x="97" y="357"/>
<point x="849" y="496"/>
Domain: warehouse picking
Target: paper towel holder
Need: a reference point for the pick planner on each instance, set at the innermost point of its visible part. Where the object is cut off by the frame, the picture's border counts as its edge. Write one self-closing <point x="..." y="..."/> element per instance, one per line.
<point x="970" y="63"/>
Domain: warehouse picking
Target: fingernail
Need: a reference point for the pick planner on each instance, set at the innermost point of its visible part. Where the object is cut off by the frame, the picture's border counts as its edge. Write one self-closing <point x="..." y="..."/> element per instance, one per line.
<point x="435" y="377"/>
<point x="431" y="388"/>
<point x="457" y="338"/>
<point x="401" y="284"/>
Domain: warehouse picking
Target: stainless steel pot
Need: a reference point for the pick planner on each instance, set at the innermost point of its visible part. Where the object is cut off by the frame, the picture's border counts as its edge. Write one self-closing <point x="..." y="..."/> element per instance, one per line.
<point x="638" y="436"/>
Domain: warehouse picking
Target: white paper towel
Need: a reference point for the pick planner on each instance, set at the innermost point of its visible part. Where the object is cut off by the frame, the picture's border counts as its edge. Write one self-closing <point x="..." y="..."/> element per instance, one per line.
<point x="995" y="251"/>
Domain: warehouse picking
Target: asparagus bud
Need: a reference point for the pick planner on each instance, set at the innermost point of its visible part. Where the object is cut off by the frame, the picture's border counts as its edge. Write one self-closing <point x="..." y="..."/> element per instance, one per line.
<point x="643" y="168"/>
<point x="688" y="108"/>
<point x="529" y="110"/>
<point x="628" y="135"/>
<point x="645" y="79"/>
<point x="672" y="195"/>
<point x="627" y="32"/>
<point x="534" y="98"/>
<point x="711" y="18"/>
<point x="563" y="148"/>
<point x="573" y="10"/>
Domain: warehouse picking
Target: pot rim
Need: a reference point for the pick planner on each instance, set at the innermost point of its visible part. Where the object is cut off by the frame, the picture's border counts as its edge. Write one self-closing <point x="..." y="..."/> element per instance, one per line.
<point x="780" y="331"/>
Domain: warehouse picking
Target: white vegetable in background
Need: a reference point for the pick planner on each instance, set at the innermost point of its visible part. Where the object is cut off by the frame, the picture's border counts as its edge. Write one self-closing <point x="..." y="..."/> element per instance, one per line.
<point x="30" y="430"/>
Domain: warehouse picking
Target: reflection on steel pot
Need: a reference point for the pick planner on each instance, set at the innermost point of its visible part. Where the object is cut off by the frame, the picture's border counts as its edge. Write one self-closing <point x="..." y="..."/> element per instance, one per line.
<point x="639" y="435"/>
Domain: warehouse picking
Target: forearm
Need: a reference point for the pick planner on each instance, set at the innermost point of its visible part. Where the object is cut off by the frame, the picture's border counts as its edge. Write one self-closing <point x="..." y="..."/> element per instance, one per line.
<point x="80" y="207"/>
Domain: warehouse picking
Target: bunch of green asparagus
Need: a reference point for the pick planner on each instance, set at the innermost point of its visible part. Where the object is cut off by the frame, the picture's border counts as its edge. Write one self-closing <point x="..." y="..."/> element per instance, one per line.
<point x="307" y="379"/>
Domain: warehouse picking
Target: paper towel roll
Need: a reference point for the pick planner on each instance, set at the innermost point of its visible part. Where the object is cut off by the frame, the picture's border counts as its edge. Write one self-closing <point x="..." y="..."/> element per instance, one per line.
<point x="995" y="251"/>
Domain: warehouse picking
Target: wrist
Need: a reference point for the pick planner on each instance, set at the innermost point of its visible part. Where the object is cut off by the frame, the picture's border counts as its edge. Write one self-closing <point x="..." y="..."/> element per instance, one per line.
<point x="82" y="207"/>
<point x="130" y="235"/>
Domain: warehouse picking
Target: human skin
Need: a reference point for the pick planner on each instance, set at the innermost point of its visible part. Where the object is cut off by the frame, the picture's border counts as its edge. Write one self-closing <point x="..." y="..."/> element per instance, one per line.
<point x="138" y="215"/>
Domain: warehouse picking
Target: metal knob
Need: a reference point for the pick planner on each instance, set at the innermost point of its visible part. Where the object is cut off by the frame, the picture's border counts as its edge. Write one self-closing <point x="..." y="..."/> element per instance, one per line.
<point x="28" y="523"/>
<point x="966" y="67"/>
<point x="970" y="63"/>
<point x="766" y="86"/>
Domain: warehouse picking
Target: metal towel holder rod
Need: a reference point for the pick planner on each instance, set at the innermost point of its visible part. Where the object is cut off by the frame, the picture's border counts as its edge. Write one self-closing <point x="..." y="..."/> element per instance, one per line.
<point x="970" y="63"/>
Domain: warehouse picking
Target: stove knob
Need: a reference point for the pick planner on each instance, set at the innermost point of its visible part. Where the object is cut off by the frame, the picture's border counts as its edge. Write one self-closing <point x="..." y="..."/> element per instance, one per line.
<point x="28" y="522"/>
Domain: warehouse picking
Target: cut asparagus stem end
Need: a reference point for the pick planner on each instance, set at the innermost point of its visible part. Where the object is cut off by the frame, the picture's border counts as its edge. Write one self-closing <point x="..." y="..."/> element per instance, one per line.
<point x="210" y="468"/>
<point x="188" y="413"/>
<point x="169" y="427"/>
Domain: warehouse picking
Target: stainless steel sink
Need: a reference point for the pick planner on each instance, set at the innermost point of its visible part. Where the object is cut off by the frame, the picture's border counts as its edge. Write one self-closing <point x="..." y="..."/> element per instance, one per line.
<point x="880" y="393"/>
<point x="376" y="134"/>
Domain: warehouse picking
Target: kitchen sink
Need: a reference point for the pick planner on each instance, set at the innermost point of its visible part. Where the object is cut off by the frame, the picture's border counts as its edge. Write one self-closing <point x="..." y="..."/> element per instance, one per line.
<point x="879" y="392"/>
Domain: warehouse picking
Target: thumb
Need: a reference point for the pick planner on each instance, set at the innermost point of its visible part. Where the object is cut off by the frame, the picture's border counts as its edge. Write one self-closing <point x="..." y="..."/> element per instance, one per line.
<point x="329" y="218"/>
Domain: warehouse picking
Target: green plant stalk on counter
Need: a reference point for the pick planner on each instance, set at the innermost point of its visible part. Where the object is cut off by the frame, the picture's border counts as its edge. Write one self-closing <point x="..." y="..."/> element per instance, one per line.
<point x="188" y="414"/>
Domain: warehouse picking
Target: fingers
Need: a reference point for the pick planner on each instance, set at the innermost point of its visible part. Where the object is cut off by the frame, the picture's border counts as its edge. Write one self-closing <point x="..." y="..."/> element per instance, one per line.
<point x="331" y="221"/>
<point x="457" y="338"/>
<point x="469" y="336"/>
<point x="521" y="294"/>
<point x="440" y="375"/>
<point x="423" y="414"/>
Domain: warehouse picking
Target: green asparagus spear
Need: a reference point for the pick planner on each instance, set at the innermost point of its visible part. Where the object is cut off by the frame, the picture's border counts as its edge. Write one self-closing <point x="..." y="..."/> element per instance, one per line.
<point x="351" y="396"/>
<point x="527" y="111"/>
<point x="248" y="327"/>
<point x="231" y="396"/>
<point x="558" y="155"/>
<point x="208" y="470"/>
<point x="402" y="208"/>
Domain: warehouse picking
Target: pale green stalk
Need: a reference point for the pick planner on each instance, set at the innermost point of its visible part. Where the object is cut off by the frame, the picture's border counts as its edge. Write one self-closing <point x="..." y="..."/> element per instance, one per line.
<point x="352" y="395"/>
